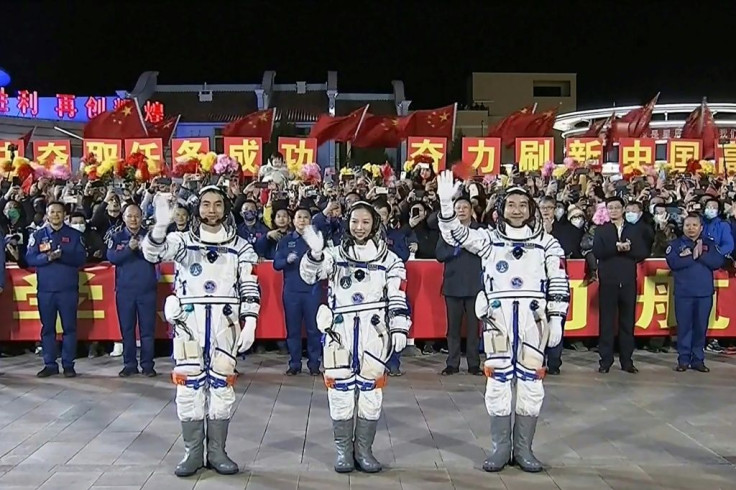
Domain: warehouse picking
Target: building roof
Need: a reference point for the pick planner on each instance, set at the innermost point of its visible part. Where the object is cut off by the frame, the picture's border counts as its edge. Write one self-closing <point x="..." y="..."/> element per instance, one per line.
<point x="295" y="108"/>
<point x="378" y="107"/>
<point x="224" y="107"/>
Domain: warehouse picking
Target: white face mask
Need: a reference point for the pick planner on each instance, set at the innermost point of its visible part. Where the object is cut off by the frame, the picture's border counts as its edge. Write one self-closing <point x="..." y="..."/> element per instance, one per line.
<point x="577" y="222"/>
<point x="559" y="213"/>
<point x="79" y="227"/>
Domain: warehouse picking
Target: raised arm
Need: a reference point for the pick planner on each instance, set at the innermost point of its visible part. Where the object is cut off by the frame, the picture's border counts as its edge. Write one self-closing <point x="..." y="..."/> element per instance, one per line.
<point x="453" y="232"/>
<point x="315" y="264"/>
<point x="158" y="246"/>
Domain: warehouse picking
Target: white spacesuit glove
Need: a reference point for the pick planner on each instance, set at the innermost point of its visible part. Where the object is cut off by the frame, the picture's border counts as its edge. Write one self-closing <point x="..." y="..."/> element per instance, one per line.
<point x="399" y="327"/>
<point x="247" y="334"/>
<point x="555" y="331"/>
<point x="324" y="318"/>
<point x="446" y="190"/>
<point x="315" y="241"/>
<point x="398" y="340"/>
<point x="163" y="214"/>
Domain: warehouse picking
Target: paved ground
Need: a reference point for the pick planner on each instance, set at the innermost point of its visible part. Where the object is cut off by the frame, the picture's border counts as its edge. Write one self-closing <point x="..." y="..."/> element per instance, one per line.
<point x="657" y="429"/>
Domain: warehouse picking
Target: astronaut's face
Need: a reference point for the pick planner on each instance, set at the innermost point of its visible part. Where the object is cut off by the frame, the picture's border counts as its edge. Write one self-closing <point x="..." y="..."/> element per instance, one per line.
<point x="212" y="208"/>
<point x="55" y="214"/>
<point x="516" y="211"/>
<point x="361" y="224"/>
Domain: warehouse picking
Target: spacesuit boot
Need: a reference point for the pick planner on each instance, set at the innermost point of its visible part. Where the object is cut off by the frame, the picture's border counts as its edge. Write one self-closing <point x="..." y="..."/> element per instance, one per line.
<point x="524" y="427"/>
<point x="217" y="458"/>
<point x="365" y="433"/>
<point x="343" y="430"/>
<point x="500" y="444"/>
<point x="192" y="433"/>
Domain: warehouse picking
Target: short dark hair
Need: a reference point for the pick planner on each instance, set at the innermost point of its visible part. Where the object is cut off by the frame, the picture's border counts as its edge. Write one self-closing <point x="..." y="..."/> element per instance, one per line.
<point x="694" y="216"/>
<point x="78" y="214"/>
<point x="615" y="199"/>
<point x="56" y="203"/>
<point x="635" y="203"/>
<point x="381" y="204"/>
<point x="547" y="199"/>
<point x="302" y="208"/>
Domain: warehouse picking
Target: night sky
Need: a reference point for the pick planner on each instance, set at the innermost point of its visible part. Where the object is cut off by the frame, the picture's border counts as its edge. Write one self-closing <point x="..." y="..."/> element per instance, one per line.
<point x="623" y="52"/>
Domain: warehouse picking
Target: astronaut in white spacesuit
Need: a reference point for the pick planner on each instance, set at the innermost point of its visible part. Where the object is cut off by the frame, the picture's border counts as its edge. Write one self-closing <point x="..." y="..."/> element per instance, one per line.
<point x="525" y="299"/>
<point x="215" y="293"/>
<point x="366" y="318"/>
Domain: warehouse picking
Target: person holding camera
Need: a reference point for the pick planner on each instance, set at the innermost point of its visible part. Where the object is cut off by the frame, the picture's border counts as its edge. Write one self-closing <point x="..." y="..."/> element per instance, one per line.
<point x="15" y="232"/>
<point x="106" y="215"/>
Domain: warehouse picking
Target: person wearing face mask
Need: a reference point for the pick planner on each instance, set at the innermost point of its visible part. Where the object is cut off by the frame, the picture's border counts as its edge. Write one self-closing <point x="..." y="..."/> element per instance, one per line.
<point x="633" y="216"/>
<point x="135" y="292"/>
<point x="559" y="211"/>
<point x="251" y="229"/>
<point x="716" y="229"/>
<point x="93" y="243"/>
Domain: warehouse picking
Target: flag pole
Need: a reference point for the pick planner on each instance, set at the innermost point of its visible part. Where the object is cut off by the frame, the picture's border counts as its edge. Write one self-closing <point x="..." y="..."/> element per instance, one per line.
<point x="534" y="108"/>
<point x="140" y="116"/>
<point x="454" y="120"/>
<point x="68" y="133"/>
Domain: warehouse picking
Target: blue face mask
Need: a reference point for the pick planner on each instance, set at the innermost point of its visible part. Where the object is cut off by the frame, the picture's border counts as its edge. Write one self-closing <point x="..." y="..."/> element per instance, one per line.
<point x="711" y="213"/>
<point x="632" y="217"/>
<point x="250" y="215"/>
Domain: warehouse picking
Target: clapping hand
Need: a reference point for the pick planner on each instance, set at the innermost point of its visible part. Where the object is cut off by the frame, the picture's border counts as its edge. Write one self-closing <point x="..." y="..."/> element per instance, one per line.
<point x="698" y="250"/>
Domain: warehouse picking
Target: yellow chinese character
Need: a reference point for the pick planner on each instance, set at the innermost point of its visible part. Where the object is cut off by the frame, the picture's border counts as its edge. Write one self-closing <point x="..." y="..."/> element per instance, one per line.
<point x="483" y="152"/>
<point x="150" y="150"/>
<point x="5" y="152"/>
<point x="189" y="149"/>
<point x="425" y="147"/>
<point x="634" y="156"/>
<point x="727" y="160"/>
<point x="681" y="152"/>
<point x="656" y="299"/>
<point x="718" y="322"/>
<point x="102" y="151"/>
<point x="297" y="154"/>
<point x="578" y="306"/>
<point x="59" y="153"/>
<point x="246" y="154"/>
<point x="578" y="151"/>
<point x="533" y="155"/>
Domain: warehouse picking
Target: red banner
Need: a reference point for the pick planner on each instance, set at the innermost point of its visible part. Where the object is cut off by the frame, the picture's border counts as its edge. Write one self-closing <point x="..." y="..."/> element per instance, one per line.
<point x="298" y="151"/>
<point x="533" y="153"/>
<point x="152" y="149"/>
<point x="189" y="147"/>
<point x="20" y="150"/>
<point x="726" y="158"/>
<point x="433" y="147"/>
<point x="484" y="154"/>
<point x="51" y="152"/>
<point x="584" y="149"/>
<point x="247" y="151"/>
<point x="680" y="151"/>
<point x="633" y="153"/>
<point x="97" y="317"/>
<point x="103" y="148"/>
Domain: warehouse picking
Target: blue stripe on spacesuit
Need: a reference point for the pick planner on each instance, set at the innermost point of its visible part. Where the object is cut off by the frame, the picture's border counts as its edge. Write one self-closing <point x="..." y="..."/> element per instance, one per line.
<point x="356" y="331"/>
<point x="197" y="248"/>
<point x="361" y="265"/>
<point x="515" y="326"/>
<point x="207" y="340"/>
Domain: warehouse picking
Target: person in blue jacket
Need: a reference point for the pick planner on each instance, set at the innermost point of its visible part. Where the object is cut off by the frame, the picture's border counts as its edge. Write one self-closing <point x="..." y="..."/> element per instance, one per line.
<point x="135" y="292"/>
<point x="301" y="300"/>
<point x="57" y="252"/>
<point x="717" y="229"/>
<point x="329" y="222"/>
<point x="266" y="245"/>
<point x="252" y="229"/>
<point x="692" y="258"/>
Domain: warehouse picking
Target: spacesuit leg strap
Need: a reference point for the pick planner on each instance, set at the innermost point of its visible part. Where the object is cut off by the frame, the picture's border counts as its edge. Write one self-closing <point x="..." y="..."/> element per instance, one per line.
<point x="365" y="384"/>
<point x="531" y="364"/>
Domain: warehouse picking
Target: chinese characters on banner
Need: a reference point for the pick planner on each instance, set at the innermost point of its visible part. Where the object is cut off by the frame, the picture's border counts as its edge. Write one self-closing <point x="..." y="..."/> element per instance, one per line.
<point x="298" y="151"/>
<point x="20" y="150"/>
<point x="152" y="148"/>
<point x="633" y="153"/>
<point x="51" y="152"/>
<point x="154" y="112"/>
<point x="726" y="158"/>
<point x="248" y="152"/>
<point x="103" y="149"/>
<point x="533" y="153"/>
<point x="189" y="147"/>
<point x="680" y="151"/>
<point x="484" y="154"/>
<point x="584" y="149"/>
<point x="435" y="148"/>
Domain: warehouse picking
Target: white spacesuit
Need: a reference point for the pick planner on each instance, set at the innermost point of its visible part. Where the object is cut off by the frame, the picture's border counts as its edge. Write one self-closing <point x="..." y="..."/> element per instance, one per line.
<point x="214" y="292"/>
<point x="525" y="298"/>
<point x="366" y="318"/>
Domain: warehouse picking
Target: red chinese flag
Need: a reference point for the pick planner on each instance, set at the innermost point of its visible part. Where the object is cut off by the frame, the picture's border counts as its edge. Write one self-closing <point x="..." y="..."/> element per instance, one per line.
<point x="528" y="125"/>
<point x="164" y="129"/>
<point x="497" y="130"/>
<point x="342" y="129"/>
<point x="256" y="125"/>
<point x="541" y="126"/>
<point x="595" y="129"/>
<point x="378" y="132"/>
<point x="434" y="122"/>
<point x="633" y="124"/>
<point x="701" y="126"/>
<point x="122" y="123"/>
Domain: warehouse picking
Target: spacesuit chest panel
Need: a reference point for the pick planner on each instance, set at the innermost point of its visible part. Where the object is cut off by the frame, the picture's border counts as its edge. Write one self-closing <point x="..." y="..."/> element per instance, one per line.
<point x="516" y="267"/>
<point x="356" y="284"/>
<point x="210" y="271"/>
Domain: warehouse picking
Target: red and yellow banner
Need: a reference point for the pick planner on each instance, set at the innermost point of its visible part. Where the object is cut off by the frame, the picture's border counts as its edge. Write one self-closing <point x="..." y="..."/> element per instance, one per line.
<point x="633" y="153"/>
<point x="20" y="150"/>
<point x="298" y="151"/>
<point x="483" y="153"/>
<point x="152" y="149"/>
<point x="247" y="151"/>
<point x="103" y="148"/>
<point x="51" y="152"/>
<point x="189" y="147"/>
<point x="726" y="158"/>
<point x="680" y="151"/>
<point x="97" y="316"/>
<point x="584" y="149"/>
<point x="533" y="153"/>
<point x="433" y="147"/>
